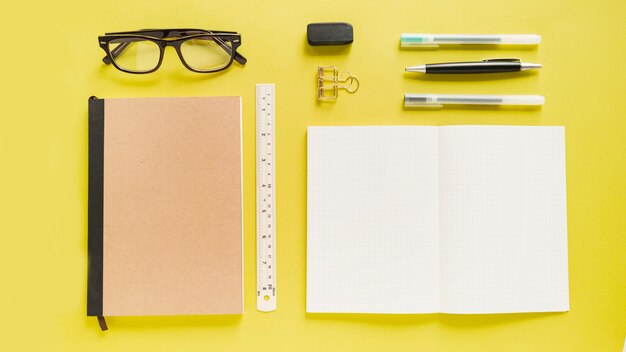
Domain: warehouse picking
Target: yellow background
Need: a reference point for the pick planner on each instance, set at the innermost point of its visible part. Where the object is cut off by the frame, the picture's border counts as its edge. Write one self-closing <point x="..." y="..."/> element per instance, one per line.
<point x="50" y="64"/>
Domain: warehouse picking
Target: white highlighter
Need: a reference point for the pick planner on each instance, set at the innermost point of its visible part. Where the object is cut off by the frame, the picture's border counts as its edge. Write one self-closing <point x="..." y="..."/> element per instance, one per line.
<point x="434" y="40"/>
<point x="438" y="100"/>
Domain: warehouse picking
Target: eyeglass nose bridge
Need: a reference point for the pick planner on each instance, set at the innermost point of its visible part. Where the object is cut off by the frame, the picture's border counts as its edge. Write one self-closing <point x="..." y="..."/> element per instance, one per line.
<point x="175" y="44"/>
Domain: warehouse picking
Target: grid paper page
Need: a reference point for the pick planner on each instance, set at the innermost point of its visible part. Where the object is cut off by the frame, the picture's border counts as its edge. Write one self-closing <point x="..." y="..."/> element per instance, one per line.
<point x="372" y="239"/>
<point x="503" y="219"/>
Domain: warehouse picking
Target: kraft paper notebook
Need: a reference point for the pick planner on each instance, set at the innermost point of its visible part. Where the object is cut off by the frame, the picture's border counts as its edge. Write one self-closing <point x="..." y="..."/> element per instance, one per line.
<point x="165" y="206"/>
<point x="421" y="219"/>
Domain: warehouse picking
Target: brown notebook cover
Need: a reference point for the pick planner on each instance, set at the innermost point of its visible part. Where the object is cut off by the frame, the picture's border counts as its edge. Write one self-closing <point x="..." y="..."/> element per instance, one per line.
<point x="165" y="206"/>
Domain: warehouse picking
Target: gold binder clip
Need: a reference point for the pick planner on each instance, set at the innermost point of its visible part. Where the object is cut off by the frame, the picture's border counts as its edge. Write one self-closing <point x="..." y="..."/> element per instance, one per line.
<point x="329" y="81"/>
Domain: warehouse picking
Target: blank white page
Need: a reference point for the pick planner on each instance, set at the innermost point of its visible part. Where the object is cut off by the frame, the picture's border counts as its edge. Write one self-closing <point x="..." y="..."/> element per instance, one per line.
<point x="503" y="219"/>
<point x="372" y="238"/>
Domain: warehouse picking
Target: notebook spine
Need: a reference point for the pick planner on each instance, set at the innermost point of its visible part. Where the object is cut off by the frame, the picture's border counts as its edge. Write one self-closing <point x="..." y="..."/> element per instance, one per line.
<point x="95" y="204"/>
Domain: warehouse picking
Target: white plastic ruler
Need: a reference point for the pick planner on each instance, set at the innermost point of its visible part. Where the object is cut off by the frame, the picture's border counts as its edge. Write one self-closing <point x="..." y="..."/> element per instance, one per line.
<point x="265" y="198"/>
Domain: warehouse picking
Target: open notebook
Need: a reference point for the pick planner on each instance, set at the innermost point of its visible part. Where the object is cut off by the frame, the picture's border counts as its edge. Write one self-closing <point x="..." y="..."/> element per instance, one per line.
<point x="454" y="219"/>
<point x="165" y="206"/>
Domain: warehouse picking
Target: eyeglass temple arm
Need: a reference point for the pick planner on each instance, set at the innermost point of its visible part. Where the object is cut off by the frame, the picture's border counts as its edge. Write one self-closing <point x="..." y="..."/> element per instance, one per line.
<point x="238" y="57"/>
<point x="116" y="52"/>
<point x="120" y="48"/>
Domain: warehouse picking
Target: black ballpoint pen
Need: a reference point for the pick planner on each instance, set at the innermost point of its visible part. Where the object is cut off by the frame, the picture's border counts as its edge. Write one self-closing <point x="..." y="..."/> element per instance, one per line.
<point x="484" y="66"/>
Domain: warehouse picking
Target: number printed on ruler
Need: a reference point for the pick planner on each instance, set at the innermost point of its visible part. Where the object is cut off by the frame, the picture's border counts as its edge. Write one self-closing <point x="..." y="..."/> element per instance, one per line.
<point x="265" y="197"/>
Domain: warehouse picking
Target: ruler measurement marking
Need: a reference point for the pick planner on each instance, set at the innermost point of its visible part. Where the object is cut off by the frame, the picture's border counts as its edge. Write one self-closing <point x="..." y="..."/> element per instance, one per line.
<point x="266" y="220"/>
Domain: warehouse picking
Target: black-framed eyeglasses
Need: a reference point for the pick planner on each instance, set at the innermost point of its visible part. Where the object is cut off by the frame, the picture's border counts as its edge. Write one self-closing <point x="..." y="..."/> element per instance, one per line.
<point x="200" y="50"/>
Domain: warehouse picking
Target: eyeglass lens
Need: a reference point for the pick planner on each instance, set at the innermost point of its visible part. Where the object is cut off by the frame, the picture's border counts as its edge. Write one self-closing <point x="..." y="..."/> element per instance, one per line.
<point x="135" y="54"/>
<point x="206" y="53"/>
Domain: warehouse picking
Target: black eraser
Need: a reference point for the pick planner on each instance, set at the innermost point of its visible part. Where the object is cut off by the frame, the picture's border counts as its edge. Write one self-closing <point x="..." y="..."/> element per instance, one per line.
<point x="329" y="33"/>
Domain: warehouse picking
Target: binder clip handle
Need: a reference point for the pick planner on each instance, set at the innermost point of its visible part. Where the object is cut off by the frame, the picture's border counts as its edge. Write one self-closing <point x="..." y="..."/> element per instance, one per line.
<point x="329" y="81"/>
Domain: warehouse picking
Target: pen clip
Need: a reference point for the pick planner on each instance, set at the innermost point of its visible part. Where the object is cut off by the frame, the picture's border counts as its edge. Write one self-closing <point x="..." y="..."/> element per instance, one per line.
<point x="503" y="60"/>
